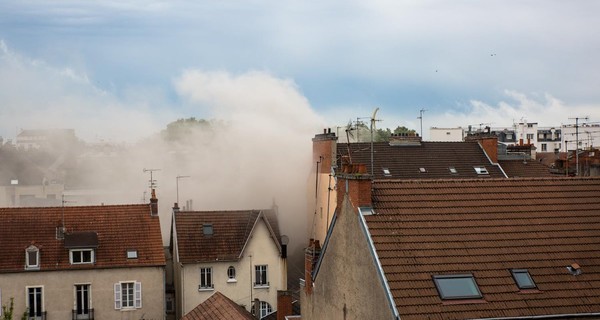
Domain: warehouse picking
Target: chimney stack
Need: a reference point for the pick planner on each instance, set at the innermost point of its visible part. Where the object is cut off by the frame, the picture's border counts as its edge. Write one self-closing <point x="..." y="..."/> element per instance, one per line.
<point x="284" y="304"/>
<point x="325" y="150"/>
<point x="356" y="182"/>
<point x="153" y="204"/>
<point x="490" y="146"/>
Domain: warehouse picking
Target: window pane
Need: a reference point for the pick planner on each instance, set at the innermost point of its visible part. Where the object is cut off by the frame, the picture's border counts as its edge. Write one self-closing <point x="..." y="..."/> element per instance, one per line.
<point x="523" y="279"/>
<point x="32" y="258"/>
<point x="461" y="287"/>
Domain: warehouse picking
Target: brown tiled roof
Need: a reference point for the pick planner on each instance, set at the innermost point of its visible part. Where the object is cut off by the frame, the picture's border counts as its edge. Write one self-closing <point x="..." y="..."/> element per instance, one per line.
<point x="218" y="307"/>
<point x="485" y="228"/>
<point x="525" y="169"/>
<point x="118" y="228"/>
<point x="404" y="162"/>
<point x="231" y="230"/>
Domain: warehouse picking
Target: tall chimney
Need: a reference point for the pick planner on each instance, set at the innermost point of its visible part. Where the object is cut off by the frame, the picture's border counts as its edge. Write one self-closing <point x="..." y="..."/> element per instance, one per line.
<point x="324" y="146"/>
<point x="153" y="204"/>
<point x="284" y="304"/>
<point x="357" y="184"/>
<point x="311" y="256"/>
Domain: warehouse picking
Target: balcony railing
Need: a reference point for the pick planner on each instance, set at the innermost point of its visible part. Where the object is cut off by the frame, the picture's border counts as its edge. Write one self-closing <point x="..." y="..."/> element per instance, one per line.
<point x="83" y="316"/>
<point x="38" y="316"/>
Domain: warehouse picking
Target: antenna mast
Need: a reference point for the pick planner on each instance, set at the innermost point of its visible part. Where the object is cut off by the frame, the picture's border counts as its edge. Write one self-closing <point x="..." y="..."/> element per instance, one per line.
<point x="420" y="117"/>
<point x="577" y="143"/>
<point x="373" y="119"/>
<point x="152" y="184"/>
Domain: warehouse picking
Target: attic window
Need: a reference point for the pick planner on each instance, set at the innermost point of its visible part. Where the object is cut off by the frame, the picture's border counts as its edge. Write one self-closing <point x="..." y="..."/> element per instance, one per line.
<point x="462" y="286"/>
<point x="422" y="170"/>
<point x="386" y="172"/>
<point x="523" y="279"/>
<point x="32" y="258"/>
<point x="207" y="229"/>
<point x="132" y="254"/>
<point x="481" y="170"/>
<point x="453" y="170"/>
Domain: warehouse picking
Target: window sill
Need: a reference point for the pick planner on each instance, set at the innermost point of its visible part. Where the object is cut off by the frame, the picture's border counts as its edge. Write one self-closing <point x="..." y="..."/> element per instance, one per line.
<point x="32" y="268"/>
<point x="231" y="281"/>
<point x="206" y="289"/>
<point x="259" y="286"/>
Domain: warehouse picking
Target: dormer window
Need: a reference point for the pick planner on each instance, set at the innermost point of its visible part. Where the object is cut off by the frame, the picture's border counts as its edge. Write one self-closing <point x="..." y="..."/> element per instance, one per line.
<point x="32" y="258"/>
<point x="81" y="256"/>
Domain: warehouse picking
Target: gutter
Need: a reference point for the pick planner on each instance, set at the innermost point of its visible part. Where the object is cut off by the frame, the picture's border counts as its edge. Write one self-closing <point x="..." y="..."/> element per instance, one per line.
<point x="551" y="316"/>
<point x="371" y="245"/>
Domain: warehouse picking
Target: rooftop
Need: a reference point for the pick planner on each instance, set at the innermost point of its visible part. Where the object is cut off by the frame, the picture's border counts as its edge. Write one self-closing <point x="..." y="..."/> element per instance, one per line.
<point x="218" y="307"/>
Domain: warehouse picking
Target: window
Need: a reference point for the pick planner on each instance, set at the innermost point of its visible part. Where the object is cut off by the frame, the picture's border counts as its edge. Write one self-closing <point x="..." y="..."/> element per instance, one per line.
<point x="386" y="172"/>
<point x="82" y="301"/>
<point x="481" y="170"/>
<point x="82" y="256"/>
<point x="523" y="279"/>
<point x="206" y="282"/>
<point x="35" y="303"/>
<point x="207" y="229"/>
<point x="265" y="309"/>
<point x="544" y="147"/>
<point x="453" y="170"/>
<point x="132" y="254"/>
<point x="422" y="170"/>
<point x="170" y="305"/>
<point x="231" y="274"/>
<point x="260" y="277"/>
<point x="32" y="258"/>
<point x="128" y="295"/>
<point x="530" y="136"/>
<point x="457" y="287"/>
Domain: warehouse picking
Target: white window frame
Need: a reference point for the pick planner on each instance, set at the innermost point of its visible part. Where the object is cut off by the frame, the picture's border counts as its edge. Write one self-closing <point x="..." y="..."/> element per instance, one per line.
<point x="72" y="253"/>
<point x="264" y="283"/>
<point x="132" y="254"/>
<point x="89" y="294"/>
<point x="206" y="276"/>
<point x="264" y="309"/>
<point x="28" y="265"/>
<point x="137" y="295"/>
<point x="27" y="301"/>
<point x="231" y="274"/>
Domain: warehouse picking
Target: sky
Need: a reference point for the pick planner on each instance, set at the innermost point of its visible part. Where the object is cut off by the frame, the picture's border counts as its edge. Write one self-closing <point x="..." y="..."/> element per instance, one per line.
<point x="121" y="70"/>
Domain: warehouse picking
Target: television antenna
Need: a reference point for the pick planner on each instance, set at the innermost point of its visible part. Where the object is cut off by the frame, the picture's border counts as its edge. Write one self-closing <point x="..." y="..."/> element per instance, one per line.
<point x="152" y="181"/>
<point x="373" y="120"/>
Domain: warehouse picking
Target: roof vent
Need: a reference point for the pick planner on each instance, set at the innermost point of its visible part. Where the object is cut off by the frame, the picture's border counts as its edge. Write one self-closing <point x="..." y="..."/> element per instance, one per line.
<point x="574" y="269"/>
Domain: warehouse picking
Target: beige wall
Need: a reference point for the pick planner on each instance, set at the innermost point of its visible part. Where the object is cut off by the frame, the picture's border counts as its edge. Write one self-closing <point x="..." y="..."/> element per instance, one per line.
<point x="347" y="285"/>
<point x="59" y="291"/>
<point x="317" y="217"/>
<point x="261" y="250"/>
<point x="10" y="196"/>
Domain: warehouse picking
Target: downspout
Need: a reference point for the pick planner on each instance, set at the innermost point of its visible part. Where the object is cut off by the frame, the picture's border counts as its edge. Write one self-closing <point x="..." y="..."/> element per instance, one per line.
<point x="382" y="278"/>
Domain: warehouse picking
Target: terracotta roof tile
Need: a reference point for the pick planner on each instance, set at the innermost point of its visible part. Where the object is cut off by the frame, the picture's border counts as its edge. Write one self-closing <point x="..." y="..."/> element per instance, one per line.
<point x="525" y="169"/>
<point x="218" y="307"/>
<point x="231" y="230"/>
<point x="118" y="228"/>
<point x="487" y="227"/>
<point x="404" y="162"/>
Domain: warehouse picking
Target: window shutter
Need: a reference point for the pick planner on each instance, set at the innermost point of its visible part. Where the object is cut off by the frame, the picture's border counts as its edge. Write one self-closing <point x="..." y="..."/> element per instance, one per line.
<point x="117" y="296"/>
<point x="138" y="295"/>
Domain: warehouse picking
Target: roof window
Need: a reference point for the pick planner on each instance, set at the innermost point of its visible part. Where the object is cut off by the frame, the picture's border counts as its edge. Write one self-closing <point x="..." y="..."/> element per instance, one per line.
<point x="523" y="279"/>
<point x="462" y="286"/>
<point x="453" y="170"/>
<point x="481" y="170"/>
<point x="422" y="170"/>
<point x="366" y="211"/>
<point x="207" y="229"/>
<point x="132" y="254"/>
<point x="386" y="172"/>
<point x="574" y="269"/>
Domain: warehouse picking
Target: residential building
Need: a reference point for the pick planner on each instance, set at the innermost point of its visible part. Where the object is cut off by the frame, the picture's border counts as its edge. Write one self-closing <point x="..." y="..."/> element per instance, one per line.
<point x="37" y="138"/>
<point x="446" y="134"/>
<point x="83" y="262"/>
<point x="240" y="254"/>
<point x="403" y="157"/>
<point x="458" y="249"/>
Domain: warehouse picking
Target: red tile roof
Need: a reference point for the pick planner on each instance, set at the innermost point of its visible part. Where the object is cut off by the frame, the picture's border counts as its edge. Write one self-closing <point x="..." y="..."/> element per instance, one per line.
<point x="404" y="162"/>
<point x="525" y="169"/>
<point x="231" y="230"/>
<point x="485" y="228"/>
<point x="118" y="228"/>
<point x="218" y="307"/>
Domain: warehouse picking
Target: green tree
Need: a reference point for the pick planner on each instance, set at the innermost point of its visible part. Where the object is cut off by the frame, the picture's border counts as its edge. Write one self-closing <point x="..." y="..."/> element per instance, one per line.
<point x="7" y="312"/>
<point x="185" y="128"/>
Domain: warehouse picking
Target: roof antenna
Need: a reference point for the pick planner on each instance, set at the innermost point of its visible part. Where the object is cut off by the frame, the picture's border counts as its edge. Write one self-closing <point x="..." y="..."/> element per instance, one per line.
<point x="372" y="131"/>
<point x="60" y="231"/>
<point x="152" y="181"/>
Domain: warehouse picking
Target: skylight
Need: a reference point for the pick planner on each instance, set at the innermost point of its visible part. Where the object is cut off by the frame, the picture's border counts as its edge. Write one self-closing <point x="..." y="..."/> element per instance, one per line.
<point x="386" y="172"/>
<point x="461" y="286"/>
<point x="207" y="229"/>
<point x="523" y="279"/>
<point x="453" y="170"/>
<point x="422" y="170"/>
<point x="481" y="170"/>
<point x="132" y="254"/>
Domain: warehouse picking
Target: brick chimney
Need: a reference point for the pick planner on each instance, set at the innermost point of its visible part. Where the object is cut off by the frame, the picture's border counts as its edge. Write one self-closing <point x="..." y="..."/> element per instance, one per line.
<point x="354" y="181"/>
<point x="490" y="146"/>
<point x="311" y="256"/>
<point x="284" y="304"/>
<point x="153" y="204"/>
<point x="324" y="149"/>
<point x="405" y="139"/>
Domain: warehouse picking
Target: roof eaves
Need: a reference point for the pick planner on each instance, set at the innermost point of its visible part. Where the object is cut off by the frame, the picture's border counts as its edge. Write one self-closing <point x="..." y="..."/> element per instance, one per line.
<point x="382" y="278"/>
<point x="271" y="231"/>
<point x="324" y="248"/>
<point x="249" y="234"/>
